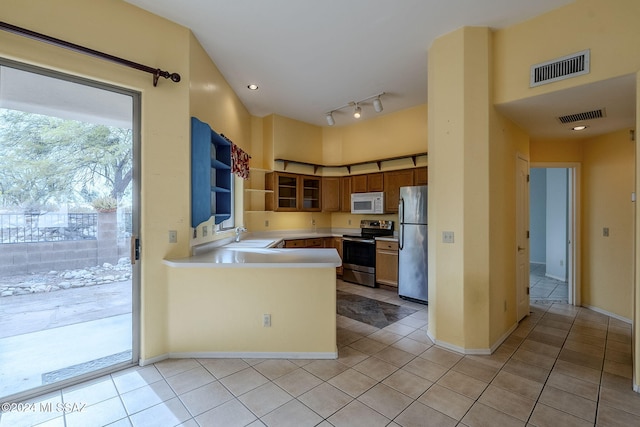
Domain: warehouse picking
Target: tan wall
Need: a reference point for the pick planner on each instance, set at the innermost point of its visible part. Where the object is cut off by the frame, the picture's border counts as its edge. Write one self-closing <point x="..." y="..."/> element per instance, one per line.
<point x="296" y="140"/>
<point x="608" y="181"/>
<point x="212" y="100"/>
<point x="396" y="134"/>
<point x="507" y="143"/>
<point x="459" y="135"/>
<point x="606" y="186"/>
<point x="610" y="29"/>
<point x="231" y="303"/>
<point x="165" y="171"/>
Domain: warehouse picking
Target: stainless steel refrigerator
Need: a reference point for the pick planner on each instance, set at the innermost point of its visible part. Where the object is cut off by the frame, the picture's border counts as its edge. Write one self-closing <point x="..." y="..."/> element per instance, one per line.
<point x="412" y="243"/>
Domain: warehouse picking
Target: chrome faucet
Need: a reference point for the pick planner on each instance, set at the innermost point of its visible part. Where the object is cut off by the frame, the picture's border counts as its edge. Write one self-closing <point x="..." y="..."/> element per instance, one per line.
<point x="240" y="230"/>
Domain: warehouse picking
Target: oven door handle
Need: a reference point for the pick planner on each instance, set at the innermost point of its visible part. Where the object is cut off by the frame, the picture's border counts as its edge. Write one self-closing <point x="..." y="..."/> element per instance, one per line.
<point x="358" y="240"/>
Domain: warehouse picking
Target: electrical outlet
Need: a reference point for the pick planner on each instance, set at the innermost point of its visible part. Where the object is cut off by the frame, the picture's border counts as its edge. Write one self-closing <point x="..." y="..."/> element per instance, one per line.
<point x="173" y="236"/>
<point x="266" y="222"/>
<point x="266" y="320"/>
<point x="447" y="237"/>
<point x="605" y="231"/>
<point x="349" y="222"/>
<point x="313" y="221"/>
<point x="205" y="231"/>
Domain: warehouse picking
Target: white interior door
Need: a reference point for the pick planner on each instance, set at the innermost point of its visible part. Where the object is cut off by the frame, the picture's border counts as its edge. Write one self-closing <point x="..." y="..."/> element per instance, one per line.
<point x="522" y="238"/>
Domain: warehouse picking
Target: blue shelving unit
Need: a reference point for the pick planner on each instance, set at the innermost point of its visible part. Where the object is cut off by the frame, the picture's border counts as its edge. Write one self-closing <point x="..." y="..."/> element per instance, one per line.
<point x="210" y="175"/>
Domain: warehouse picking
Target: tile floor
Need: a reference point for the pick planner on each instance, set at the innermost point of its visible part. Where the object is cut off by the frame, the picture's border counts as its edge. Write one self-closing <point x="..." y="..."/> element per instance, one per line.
<point x="544" y="289"/>
<point x="562" y="366"/>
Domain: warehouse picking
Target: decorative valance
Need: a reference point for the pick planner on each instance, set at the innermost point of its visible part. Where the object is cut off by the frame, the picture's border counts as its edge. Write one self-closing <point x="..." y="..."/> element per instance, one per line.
<point x="239" y="160"/>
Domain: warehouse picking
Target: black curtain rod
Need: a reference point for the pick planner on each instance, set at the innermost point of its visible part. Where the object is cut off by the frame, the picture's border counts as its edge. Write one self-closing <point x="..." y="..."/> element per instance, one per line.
<point x="157" y="72"/>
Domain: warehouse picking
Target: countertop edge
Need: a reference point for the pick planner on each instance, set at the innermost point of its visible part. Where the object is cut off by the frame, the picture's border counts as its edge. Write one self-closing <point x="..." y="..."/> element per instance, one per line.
<point x="260" y="258"/>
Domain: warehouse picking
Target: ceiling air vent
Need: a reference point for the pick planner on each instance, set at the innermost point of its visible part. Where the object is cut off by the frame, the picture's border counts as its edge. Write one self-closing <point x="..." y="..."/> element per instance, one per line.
<point x="588" y="115"/>
<point x="559" y="69"/>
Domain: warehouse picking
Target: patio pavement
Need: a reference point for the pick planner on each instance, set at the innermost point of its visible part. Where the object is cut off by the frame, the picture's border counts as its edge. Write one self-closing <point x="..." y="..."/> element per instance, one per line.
<point x="44" y="333"/>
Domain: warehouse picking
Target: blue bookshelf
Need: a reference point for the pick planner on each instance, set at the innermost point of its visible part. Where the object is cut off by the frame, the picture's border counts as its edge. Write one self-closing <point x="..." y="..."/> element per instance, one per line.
<point x="210" y="175"/>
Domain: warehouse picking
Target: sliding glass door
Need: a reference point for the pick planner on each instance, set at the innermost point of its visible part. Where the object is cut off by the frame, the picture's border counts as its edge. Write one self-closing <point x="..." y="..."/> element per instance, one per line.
<point x="68" y="210"/>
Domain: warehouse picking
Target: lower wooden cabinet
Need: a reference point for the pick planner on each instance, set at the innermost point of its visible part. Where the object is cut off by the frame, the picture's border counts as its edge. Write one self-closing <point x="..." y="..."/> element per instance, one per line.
<point x="313" y="243"/>
<point x="337" y="244"/>
<point x="320" y="242"/>
<point x="295" y="243"/>
<point x="304" y="243"/>
<point x="387" y="263"/>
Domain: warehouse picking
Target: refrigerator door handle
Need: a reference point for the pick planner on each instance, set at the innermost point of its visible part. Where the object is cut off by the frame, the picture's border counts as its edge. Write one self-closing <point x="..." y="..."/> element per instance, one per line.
<point x="401" y="217"/>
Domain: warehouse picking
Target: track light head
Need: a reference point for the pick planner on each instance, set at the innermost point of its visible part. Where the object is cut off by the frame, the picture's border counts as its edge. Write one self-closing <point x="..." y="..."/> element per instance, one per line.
<point x="377" y="104"/>
<point x="357" y="112"/>
<point x="330" y="120"/>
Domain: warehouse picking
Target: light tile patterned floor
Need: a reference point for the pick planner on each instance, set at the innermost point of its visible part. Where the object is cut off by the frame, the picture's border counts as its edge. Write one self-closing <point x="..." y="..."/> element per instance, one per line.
<point x="545" y="289"/>
<point x="563" y="366"/>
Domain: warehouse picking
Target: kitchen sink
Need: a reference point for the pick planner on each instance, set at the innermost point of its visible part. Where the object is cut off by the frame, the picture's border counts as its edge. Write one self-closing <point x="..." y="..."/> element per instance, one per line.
<point x="252" y="243"/>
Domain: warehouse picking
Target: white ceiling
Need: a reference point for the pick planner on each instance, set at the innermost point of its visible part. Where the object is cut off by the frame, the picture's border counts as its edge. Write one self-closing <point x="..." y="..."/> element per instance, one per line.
<point x="310" y="56"/>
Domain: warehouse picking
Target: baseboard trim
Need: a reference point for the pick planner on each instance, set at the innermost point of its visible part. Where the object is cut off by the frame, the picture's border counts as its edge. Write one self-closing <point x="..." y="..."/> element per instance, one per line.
<point x="253" y="355"/>
<point x="473" y="351"/>
<point x="605" y="312"/>
<point x="152" y="360"/>
<point x="503" y="338"/>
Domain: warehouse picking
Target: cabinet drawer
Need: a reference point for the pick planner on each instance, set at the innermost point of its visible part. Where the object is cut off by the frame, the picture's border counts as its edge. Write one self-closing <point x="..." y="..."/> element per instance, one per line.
<point x="386" y="245"/>
<point x="298" y="243"/>
<point x="313" y="243"/>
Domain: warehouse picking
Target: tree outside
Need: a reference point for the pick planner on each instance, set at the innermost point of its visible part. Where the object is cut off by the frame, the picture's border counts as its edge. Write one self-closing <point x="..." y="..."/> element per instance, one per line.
<point x="48" y="162"/>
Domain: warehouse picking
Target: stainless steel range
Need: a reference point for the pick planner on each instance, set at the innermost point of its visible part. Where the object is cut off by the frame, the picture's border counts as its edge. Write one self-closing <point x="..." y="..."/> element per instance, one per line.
<point x="359" y="252"/>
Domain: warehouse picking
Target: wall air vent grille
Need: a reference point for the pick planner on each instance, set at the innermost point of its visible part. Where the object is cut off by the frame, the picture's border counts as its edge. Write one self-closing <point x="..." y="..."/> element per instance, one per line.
<point x="559" y="69"/>
<point x="588" y="115"/>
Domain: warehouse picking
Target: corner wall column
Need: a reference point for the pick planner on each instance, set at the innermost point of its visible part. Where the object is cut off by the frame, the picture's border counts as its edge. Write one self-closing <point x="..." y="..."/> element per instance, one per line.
<point x="459" y="176"/>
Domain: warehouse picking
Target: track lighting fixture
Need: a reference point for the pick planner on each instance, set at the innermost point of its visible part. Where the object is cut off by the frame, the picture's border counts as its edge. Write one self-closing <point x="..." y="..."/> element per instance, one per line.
<point x="357" y="113"/>
<point x="377" y="104"/>
<point x="330" y="120"/>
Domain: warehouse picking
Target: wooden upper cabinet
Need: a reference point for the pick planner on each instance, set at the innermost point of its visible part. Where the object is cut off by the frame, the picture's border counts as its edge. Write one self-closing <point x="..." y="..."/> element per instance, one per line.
<point x="292" y="192"/>
<point x="368" y="183"/>
<point x="331" y="194"/>
<point x="420" y="176"/>
<point x="392" y="182"/>
<point x="285" y="192"/>
<point x="359" y="184"/>
<point x="311" y="193"/>
<point x="345" y="196"/>
<point x="375" y="182"/>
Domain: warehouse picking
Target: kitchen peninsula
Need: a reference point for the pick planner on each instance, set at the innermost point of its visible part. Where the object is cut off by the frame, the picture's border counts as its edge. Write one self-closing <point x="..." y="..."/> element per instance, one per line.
<point x="253" y="302"/>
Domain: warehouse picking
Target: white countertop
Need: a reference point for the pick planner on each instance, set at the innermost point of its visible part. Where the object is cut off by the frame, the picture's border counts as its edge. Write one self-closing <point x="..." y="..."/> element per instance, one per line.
<point x="255" y="257"/>
<point x="388" y="239"/>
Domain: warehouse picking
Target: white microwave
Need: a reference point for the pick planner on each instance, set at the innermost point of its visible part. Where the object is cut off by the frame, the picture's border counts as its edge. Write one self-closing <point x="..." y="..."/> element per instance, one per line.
<point x="367" y="203"/>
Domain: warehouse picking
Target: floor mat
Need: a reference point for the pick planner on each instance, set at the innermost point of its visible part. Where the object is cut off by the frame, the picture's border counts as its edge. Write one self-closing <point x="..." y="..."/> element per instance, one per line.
<point x="370" y="311"/>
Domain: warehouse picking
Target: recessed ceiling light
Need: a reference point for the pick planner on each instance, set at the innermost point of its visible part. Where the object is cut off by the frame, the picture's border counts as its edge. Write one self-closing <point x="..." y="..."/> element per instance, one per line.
<point x="580" y="127"/>
<point x="252" y="87"/>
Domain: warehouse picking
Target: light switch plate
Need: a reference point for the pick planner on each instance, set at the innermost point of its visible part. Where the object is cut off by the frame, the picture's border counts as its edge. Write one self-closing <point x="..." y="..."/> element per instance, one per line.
<point x="173" y="236"/>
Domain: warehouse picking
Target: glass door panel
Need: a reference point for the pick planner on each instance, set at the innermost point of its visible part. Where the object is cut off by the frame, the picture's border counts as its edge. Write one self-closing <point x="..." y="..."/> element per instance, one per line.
<point x="67" y="214"/>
